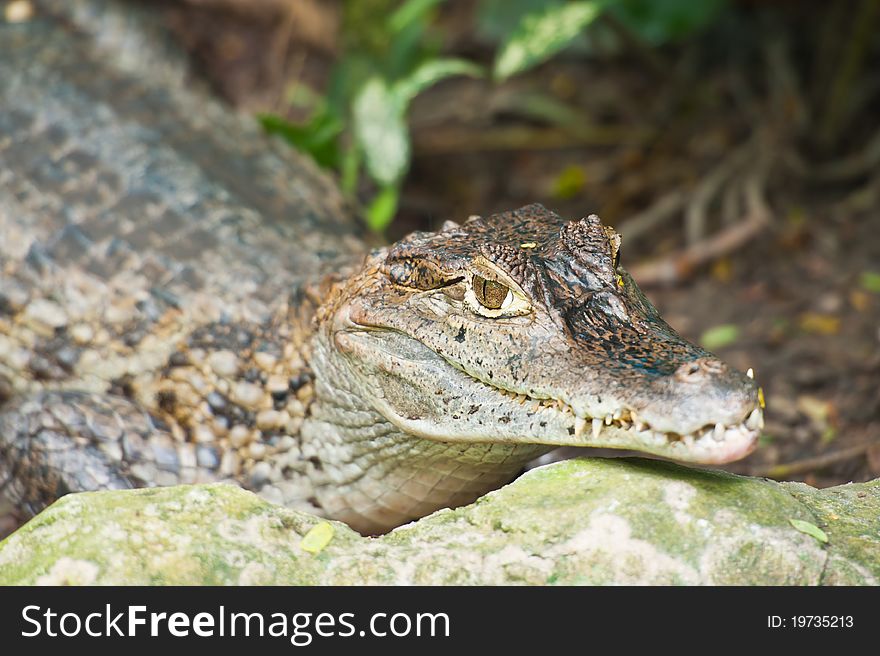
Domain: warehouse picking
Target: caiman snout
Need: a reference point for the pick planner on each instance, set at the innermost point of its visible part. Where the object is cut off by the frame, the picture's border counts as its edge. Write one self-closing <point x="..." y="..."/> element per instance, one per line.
<point x="702" y="392"/>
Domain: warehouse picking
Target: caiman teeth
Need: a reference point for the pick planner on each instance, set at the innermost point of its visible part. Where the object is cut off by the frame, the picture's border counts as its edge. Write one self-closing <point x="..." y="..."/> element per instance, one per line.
<point x="755" y="420"/>
<point x="624" y="419"/>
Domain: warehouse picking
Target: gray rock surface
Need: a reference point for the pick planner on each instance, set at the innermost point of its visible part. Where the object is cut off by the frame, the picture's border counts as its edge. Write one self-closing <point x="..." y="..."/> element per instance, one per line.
<point x="586" y="521"/>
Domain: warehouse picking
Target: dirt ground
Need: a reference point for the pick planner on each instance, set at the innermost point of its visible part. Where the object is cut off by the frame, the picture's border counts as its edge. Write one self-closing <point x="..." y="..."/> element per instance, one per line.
<point x="784" y="262"/>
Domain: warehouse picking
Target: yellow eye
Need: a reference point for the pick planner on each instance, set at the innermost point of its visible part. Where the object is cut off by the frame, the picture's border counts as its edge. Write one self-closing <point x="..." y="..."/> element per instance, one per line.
<point x="492" y="294"/>
<point x="489" y="293"/>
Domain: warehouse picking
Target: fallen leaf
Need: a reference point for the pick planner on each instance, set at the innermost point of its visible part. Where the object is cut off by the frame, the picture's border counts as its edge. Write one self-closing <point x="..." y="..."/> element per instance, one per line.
<point x="859" y="300"/>
<point x="569" y="183"/>
<point x="820" y="324"/>
<point x="317" y="538"/>
<point x="722" y="270"/>
<point x="870" y="281"/>
<point x="809" y="529"/>
<point x="820" y="412"/>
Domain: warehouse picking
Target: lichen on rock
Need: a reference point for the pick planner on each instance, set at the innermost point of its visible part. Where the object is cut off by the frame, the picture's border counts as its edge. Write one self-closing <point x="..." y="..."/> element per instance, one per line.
<point x="584" y="521"/>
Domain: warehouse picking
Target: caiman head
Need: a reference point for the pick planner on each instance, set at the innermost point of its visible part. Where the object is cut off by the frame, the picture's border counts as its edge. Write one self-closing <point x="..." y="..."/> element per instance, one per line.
<point x="523" y="328"/>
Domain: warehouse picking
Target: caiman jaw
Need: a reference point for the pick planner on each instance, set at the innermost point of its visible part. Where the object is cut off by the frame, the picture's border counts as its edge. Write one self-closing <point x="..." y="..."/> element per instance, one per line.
<point x="624" y="429"/>
<point x="430" y="397"/>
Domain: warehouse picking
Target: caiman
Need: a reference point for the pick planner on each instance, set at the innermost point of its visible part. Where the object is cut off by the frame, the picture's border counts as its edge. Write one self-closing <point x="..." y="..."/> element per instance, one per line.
<point x="183" y="300"/>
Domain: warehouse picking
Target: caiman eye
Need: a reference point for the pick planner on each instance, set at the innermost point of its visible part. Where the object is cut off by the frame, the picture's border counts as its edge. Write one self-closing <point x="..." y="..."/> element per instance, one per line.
<point x="491" y="295"/>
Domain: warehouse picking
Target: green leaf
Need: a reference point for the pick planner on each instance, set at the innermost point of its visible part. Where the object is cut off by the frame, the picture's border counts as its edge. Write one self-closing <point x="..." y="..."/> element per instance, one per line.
<point x="410" y="12"/>
<point x="496" y="20"/>
<point x="542" y="34"/>
<point x="350" y="169"/>
<point x="660" y="22"/>
<point x="870" y="281"/>
<point x="316" y="138"/>
<point x="317" y="538"/>
<point x="381" y="132"/>
<point x="381" y="210"/>
<point x="429" y="74"/>
<point x="720" y="336"/>
<point x="809" y="529"/>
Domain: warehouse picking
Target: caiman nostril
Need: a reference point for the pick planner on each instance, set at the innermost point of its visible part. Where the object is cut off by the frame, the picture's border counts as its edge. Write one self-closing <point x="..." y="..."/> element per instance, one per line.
<point x="712" y="366"/>
<point x="698" y="370"/>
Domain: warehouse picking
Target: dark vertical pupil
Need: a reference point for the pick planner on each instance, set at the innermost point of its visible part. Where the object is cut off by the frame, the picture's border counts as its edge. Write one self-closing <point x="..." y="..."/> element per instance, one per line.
<point x="490" y="293"/>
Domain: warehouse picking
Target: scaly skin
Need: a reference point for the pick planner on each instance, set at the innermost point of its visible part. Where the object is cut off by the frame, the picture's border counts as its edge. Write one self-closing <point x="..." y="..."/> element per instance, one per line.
<point x="181" y="301"/>
<point x="579" y="358"/>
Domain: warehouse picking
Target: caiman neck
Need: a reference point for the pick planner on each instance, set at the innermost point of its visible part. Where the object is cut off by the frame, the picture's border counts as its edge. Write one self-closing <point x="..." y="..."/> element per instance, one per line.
<point x="368" y="473"/>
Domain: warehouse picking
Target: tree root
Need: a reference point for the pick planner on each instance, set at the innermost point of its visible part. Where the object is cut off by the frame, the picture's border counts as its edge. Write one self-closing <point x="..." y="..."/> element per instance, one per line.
<point x="666" y="207"/>
<point x="681" y="264"/>
<point x="806" y="465"/>
<point x="743" y="189"/>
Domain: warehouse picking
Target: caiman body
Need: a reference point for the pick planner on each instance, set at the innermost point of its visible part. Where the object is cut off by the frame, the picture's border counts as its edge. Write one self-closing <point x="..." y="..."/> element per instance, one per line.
<point x="183" y="300"/>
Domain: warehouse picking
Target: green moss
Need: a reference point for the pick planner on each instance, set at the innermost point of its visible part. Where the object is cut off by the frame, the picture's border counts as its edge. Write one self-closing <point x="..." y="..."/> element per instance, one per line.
<point x="588" y="521"/>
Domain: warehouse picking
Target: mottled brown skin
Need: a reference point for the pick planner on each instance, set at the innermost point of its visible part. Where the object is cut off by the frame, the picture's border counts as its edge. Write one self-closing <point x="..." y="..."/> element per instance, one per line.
<point x="183" y="301"/>
<point x="594" y="314"/>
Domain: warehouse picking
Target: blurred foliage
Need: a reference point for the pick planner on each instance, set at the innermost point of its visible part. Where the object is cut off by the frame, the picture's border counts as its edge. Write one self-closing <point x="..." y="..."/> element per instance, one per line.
<point x="542" y="32"/>
<point x="569" y="182"/>
<point x="661" y="21"/>
<point x="392" y="52"/>
<point x="720" y="336"/>
<point x="391" y="55"/>
<point x="870" y="280"/>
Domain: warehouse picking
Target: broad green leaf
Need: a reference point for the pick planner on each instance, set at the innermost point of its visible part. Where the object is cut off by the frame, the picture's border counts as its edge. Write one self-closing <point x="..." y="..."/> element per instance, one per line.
<point x="274" y="124"/>
<point x="660" y="22"/>
<point x="316" y="138"/>
<point x="409" y="12"/>
<point x="542" y="34"/>
<point x="809" y="529"/>
<point x="317" y="538"/>
<point x="720" y="336"/>
<point x="496" y="20"/>
<point x="381" y="210"/>
<point x="381" y="132"/>
<point x="430" y="73"/>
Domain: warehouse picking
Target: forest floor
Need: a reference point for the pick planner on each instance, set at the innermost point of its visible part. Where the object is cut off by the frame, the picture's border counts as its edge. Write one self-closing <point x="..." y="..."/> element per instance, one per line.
<point x="743" y="245"/>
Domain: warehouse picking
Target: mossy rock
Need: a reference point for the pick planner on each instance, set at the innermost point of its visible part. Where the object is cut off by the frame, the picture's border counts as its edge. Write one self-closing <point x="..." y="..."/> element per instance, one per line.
<point x="586" y="521"/>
